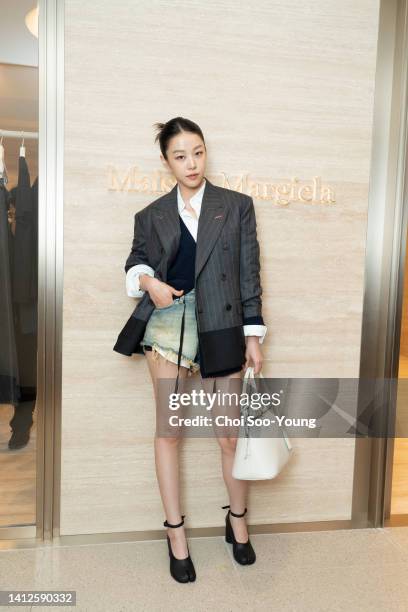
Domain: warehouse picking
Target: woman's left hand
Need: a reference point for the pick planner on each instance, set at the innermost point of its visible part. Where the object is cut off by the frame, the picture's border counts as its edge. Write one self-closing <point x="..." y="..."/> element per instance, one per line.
<point x="253" y="354"/>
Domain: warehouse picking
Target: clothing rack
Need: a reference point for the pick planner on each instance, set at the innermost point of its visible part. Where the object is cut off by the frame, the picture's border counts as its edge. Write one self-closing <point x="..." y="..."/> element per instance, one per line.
<point x="21" y="134"/>
<point x="18" y="134"/>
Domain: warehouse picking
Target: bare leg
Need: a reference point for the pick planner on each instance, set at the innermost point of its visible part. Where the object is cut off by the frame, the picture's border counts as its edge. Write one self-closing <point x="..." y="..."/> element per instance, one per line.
<point x="237" y="489"/>
<point x="167" y="458"/>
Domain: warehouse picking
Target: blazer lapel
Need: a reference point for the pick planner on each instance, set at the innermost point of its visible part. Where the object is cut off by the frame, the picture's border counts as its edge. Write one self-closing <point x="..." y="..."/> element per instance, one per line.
<point x="167" y="224"/>
<point x="213" y="215"/>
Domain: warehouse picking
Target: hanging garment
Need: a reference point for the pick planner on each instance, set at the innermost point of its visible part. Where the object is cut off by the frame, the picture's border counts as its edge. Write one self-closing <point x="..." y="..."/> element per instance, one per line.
<point x="25" y="318"/>
<point x="23" y="240"/>
<point x="25" y="276"/>
<point x="9" y="379"/>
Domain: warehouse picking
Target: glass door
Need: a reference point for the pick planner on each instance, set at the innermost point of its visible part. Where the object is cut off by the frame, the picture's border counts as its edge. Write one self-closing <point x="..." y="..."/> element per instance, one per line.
<point x="19" y="111"/>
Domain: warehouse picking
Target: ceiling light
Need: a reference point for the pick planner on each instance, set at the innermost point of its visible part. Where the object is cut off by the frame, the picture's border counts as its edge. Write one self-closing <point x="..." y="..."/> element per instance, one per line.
<point x="31" y="21"/>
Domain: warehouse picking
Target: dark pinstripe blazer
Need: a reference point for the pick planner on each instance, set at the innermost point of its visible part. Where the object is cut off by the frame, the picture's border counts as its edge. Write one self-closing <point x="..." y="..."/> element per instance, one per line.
<point x="227" y="272"/>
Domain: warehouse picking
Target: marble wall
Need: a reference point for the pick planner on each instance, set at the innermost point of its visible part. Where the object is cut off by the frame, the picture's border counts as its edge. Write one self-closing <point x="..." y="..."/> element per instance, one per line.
<point x="282" y="90"/>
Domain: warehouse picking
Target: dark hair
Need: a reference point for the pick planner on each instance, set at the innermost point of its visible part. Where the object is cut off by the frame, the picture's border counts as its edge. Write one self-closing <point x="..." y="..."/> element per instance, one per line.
<point x="175" y="126"/>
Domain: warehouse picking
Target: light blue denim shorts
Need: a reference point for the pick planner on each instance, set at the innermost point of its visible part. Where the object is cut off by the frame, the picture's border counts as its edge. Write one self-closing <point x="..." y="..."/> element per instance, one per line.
<point x="163" y="331"/>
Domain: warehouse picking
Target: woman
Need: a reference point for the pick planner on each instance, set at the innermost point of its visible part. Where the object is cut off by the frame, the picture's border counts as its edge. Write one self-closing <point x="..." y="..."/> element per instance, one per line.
<point x="195" y="265"/>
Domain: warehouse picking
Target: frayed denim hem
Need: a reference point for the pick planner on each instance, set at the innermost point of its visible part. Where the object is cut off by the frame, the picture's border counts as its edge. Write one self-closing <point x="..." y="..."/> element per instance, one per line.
<point x="172" y="356"/>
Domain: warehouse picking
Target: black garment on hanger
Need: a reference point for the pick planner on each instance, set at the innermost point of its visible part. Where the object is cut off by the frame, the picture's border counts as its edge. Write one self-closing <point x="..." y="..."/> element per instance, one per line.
<point x="24" y="272"/>
<point x="9" y="379"/>
<point x="25" y="276"/>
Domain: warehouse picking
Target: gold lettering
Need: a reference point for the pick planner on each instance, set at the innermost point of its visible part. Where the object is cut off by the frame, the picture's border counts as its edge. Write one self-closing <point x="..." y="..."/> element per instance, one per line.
<point x="305" y="193"/>
<point x="114" y="181"/>
<point x="327" y="196"/>
<point x="283" y="190"/>
<point x="238" y="186"/>
<point x="278" y="193"/>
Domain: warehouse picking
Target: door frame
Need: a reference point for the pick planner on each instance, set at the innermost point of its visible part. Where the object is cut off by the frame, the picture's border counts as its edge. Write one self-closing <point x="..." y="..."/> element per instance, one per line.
<point x="50" y="234"/>
<point x="398" y="256"/>
<point x="50" y="283"/>
<point x="384" y="264"/>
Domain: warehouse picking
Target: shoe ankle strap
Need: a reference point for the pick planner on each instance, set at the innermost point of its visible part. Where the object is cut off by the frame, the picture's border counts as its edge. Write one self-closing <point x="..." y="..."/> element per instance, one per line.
<point x="167" y="524"/>
<point x="233" y="513"/>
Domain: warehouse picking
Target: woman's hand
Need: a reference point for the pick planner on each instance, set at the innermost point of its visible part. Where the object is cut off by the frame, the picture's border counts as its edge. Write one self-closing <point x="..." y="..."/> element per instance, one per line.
<point x="160" y="292"/>
<point x="253" y="354"/>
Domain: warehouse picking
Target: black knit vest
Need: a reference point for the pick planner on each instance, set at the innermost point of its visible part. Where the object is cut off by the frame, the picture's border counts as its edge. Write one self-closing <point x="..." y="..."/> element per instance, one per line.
<point x="181" y="273"/>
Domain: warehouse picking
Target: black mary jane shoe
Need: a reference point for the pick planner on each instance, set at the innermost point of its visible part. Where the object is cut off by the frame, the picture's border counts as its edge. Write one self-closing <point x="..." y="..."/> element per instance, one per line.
<point x="182" y="570"/>
<point x="242" y="551"/>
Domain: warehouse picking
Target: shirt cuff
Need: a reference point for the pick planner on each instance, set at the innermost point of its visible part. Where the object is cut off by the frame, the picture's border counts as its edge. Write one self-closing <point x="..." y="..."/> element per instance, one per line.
<point x="256" y="330"/>
<point x="132" y="279"/>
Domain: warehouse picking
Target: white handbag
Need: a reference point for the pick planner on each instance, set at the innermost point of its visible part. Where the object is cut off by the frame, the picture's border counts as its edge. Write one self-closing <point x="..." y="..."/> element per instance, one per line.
<point x="259" y="458"/>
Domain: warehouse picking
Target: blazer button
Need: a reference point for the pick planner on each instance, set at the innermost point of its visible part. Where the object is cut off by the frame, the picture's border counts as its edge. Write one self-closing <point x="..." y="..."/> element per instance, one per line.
<point x="223" y="276"/>
<point x="228" y="307"/>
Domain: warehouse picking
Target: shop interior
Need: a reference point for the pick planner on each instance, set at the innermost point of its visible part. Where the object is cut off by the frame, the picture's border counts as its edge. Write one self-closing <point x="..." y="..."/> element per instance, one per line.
<point x="18" y="262"/>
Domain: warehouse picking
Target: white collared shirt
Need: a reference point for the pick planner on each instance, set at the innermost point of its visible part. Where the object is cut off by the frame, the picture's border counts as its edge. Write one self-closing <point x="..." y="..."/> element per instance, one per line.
<point x="132" y="276"/>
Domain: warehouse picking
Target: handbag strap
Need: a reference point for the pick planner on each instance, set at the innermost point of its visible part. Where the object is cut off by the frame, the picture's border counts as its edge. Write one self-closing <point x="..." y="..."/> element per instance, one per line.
<point x="180" y="347"/>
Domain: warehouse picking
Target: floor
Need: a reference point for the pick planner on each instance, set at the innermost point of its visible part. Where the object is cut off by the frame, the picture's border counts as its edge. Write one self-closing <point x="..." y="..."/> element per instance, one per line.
<point x="18" y="474"/>
<point x="347" y="570"/>
<point x="399" y="483"/>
